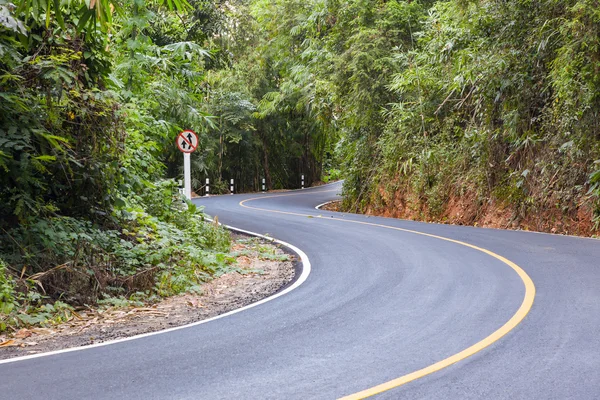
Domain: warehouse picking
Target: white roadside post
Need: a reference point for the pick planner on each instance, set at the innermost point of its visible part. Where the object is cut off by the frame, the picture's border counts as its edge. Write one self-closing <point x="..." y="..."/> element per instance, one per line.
<point x="207" y="187"/>
<point x="263" y="185"/>
<point x="231" y="186"/>
<point x="187" y="142"/>
<point x="303" y="181"/>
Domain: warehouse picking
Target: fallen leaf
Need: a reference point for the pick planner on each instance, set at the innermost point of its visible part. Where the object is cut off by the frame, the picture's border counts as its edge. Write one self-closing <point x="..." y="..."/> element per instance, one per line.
<point x="88" y="324"/>
<point x="76" y="315"/>
<point x="243" y="260"/>
<point x="8" y="343"/>
<point x="194" y="303"/>
<point x="43" y="331"/>
<point x="23" y="333"/>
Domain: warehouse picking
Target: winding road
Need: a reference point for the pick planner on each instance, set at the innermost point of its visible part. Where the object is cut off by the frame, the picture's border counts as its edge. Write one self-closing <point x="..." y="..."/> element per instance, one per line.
<point x="391" y="308"/>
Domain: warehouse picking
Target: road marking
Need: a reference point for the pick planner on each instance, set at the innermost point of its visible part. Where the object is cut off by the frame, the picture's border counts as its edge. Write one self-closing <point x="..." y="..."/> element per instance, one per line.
<point x="324" y="204"/>
<point x="306" y="269"/>
<point x="295" y="193"/>
<point x="521" y="313"/>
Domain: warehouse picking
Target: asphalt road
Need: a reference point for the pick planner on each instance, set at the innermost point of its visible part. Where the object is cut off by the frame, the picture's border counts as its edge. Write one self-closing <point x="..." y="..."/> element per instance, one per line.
<point x="378" y="304"/>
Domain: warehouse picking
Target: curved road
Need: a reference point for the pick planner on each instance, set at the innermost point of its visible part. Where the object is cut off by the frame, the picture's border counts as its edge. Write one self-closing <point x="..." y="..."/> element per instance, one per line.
<point x="379" y="304"/>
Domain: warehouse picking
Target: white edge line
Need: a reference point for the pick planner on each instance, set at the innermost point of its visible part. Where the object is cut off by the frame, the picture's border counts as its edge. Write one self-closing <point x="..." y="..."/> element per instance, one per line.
<point x="324" y="204"/>
<point x="306" y="269"/>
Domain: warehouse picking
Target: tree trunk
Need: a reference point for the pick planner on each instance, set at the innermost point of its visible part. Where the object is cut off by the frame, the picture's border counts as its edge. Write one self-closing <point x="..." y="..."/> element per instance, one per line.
<point x="266" y="162"/>
<point x="221" y="157"/>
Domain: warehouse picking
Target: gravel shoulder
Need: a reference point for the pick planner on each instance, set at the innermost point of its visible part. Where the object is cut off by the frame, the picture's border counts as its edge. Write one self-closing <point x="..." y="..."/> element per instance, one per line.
<point x="259" y="277"/>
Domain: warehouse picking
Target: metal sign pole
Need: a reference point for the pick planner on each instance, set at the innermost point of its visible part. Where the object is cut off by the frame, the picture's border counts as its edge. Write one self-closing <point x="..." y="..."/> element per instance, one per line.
<point x="187" y="176"/>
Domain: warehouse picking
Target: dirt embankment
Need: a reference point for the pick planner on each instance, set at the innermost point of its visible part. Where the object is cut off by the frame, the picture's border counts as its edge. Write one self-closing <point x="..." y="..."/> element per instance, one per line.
<point x="469" y="209"/>
<point x="264" y="269"/>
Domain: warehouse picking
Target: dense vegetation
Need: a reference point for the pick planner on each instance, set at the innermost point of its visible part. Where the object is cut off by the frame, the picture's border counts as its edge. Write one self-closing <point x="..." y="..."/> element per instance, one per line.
<point x="90" y="103"/>
<point x="475" y="105"/>
<point x="424" y="106"/>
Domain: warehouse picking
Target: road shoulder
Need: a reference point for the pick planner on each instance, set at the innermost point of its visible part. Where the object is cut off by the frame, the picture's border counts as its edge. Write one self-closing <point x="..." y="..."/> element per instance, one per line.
<point x="263" y="269"/>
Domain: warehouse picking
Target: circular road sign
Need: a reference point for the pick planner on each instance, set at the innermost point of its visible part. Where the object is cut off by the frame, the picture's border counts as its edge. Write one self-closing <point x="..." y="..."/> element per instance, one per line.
<point x="187" y="141"/>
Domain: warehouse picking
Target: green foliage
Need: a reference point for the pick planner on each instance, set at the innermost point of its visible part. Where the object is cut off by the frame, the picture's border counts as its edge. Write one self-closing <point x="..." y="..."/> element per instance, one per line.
<point x="43" y="314"/>
<point x="98" y="261"/>
<point x="269" y="119"/>
<point x="332" y="175"/>
<point x="488" y="93"/>
<point x="59" y="133"/>
<point x="87" y="122"/>
<point x="7" y="287"/>
<point x="437" y="97"/>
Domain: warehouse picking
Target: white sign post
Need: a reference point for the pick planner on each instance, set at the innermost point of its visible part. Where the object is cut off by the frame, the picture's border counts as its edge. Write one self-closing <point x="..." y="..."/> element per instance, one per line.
<point x="187" y="142"/>
<point x="187" y="176"/>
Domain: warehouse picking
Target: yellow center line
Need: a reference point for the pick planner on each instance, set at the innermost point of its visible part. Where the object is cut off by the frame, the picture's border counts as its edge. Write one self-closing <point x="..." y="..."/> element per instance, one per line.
<point x="523" y="310"/>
